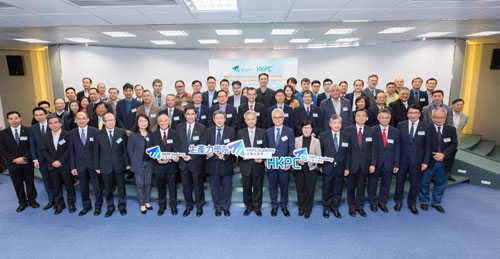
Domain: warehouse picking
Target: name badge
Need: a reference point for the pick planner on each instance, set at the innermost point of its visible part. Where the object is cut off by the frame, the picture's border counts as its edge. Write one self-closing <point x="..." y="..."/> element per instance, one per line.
<point x="230" y="115"/>
<point x="147" y="139"/>
<point x="446" y="140"/>
<point x="345" y="144"/>
<point x="284" y="138"/>
<point x="23" y="138"/>
<point x="315" y="115"/>
<point x="170" y="141"/>
<point x="203" y="117"/>
<point x="133" y="110"/>
<point x="422" y="99"/>
<point x="345" y="109"/>
<point x="369" y="139"/>
<point x="258" y="114"/>
<point x="259" y="142"/>
<point x="176" y="118"/>
<point x="62" y="141"/>
<point x="118" y="141"/>
<point x="286" y="115"/>
<point x="196" y="138"/>
<point x="390" y="141"/>
<point x="226" y="141"/>
<point x="421" y="133"/>
<point x="183" y="103"/>
<point x="216" y="101"/>
<point x="91" y="139"/>
<point x="153" y="115"/>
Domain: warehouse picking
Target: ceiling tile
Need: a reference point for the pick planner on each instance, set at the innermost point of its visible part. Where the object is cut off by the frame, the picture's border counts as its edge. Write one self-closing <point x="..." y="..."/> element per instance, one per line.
<point x="365" y="4"/>
<point x="299" y="15"/>
<point x="125" y="19"/>
<point x="78" y="19"/>
<point x="263" y="15"/>
<point x="425" y="13"/>
<point x="357" y="14"/>
<point x="217" y="17"/>
<point x="33" y="20"/>
<point x="319" y="4"/>
<point x="45" y="6"/>
<point x="170" y="18"/>
<point x="264" y="4"/>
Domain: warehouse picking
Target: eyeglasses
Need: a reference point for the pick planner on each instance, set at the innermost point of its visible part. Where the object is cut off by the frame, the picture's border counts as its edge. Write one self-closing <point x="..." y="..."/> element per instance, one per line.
<point x="276" y="117"/>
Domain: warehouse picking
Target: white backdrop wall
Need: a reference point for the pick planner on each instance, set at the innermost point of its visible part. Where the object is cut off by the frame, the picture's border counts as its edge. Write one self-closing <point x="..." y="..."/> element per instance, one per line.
<point x="116" y="66"/>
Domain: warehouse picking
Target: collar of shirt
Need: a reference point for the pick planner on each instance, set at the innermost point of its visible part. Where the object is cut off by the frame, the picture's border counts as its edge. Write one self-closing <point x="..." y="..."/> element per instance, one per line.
<point x="217" y="129"/>
<point x="416" y="124"/>
<point x="43" y="124"/>
<point x="84" y="130"/>
<point x="14" y="130"/>
<point x="59" y="113"/>
<point x="162" y="132"/>
<point x="112" y="131"/>
<point x="380" y="107"/>
<point x="338" y="135"/>
<point x="263" y="91"/>
<point x="281" y="106"/>
<point x="222" y="107"/>
<point x="436" y="127"/>
<point x="360" y="127"/>
<point x="56" y="134"/>
<point x="307" y="106"/>
<point x="280" y="127"/>
<point x="386" y="129"/>
<point x="251" y="130"/>
<point x="249" y="103"/>
<point x="435" y="105"/>
<point x="335" y="101"/>
<point x="187" y="125"/>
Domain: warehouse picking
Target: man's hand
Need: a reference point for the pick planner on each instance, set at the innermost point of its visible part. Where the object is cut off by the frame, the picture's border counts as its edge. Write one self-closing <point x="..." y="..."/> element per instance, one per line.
<point x="310" y="164"/>
<point x="220" y="156"/>
<point x="74" y="172"/>
<point x="346" y="172"/>
<point x="395" y="170"/>
<point x="372" y="169"/>
<point x="186" y="158"/>
<point x="56" y="164"/>
<point x="176" y="159"/>
<point x="257" y="160"/>
<point x="288" y="168"/>
<point x="438" y="156"/>
<point x="424" y="166"/>
<point x="18" y="160"/>
<point x="128" y="132"/>
<point x="37" y="165"/>
<point x="98" y="171"/>
<point x="301" y="162"/>
<point x="321" y="170"/>
<point x="210" y="155"/>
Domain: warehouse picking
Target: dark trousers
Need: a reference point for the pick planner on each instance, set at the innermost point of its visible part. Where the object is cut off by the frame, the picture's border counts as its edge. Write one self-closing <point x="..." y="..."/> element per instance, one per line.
<point x="143" y="182"/>
<point x="120" y="185"/>
<point x="58" y="178"/>
<point x="281" y="177"/>
<point x="385" y="177"/>
<point x="332" y="189"/>
<point x="414" y="173"/>
<point x="305" y="181"/>
<point x="47" y="183"/>
<point x="192" y="181"/>
<point x="356" y="185"/>
<point x="440" y="182"/>
<point x="84" y="177"/>
<point x="22" y="175"/>
<point x="252" y="190"/>
<point x="222" y="189"/>
<point x="162" y="179"/>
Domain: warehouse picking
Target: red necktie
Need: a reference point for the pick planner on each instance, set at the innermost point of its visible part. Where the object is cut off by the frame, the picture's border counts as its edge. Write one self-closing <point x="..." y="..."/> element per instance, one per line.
<point x="164" y="138"/>
<point x="251" y="107"/>
<point x="384" y="137"/>
<point x="360" y="137"/>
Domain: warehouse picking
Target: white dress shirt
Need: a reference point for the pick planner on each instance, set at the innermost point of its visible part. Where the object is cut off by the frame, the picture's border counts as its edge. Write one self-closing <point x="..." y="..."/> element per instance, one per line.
<point x="414" y="127"/>
<point x="55" y="138"/>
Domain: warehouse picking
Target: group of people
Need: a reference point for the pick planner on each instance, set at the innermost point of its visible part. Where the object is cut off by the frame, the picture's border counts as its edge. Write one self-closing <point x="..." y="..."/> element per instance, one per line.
<point x="370" y="134"/>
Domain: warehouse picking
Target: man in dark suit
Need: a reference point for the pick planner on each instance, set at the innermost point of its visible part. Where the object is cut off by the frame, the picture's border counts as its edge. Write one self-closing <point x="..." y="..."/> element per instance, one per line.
<point x="335" y="105"/>
<point x="201" y="110"/>
<point x="265" y="95"/>
<point x="175" y="115"/>
<point x="15" y="148"/>
<point x="371" y="91"/>
<point x="358" y="91"/>
<point x="380" y="104"/>
<point x="400" y="106"/>
<point x="327" y="83"/>
<point x="97" y="121"/>
<point x="415" y="156"/>
<point x="111" y="160"/>
<point x="93" y="101"/>
<point x="363" y="162"/>
<point x="43" y="104"/>
<point x="252" y="170"/>
<point x="86" y="83"/>
<point x="59" y="108"/>
<point x="282" y="139"/>
<point x="219" y="166"/>
<point x="252" y="105"/>
<point x="55" y="150"/>
<point x="165" y="169"/>
<point x="334" y="144"/>
<point x="237" y="98"/>
<point x="126" y="109"/>
<point x="191" y="133"/>
<point x="210" y="96"/>
<point x="417" y="96"/>
<point x="307" y="111"/>
<point x="280" y="103"/>
<point x="388" y="150"/>
<point x="36" y="132"/>
<point x="229" y="110"/>
<point x="443" y="147"/>
<point x="70" y="93"/>
<point x="81" y="153"/>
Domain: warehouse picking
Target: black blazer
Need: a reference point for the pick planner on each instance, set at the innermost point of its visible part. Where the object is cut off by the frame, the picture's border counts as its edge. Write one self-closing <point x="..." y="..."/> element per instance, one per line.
<point x="94" y="122"/>
<point x="204" y="98"/>
<point x="267" y="98"/>
<point x="366" y="156"/>
<point x="300" y="115"/>
<point x="203" y="115"/>
<point x="61" y="154"/>
<point x="448" y="145"/>
<point x="374" y="112"/>
<point x="177" y="117"/>
<point x="399" y="111"/>
<point x="320" y="98"/>
<point x="111" y="158"/>
<point x="243" y="99"/>
<point x="10" y="150"/>
<point x="198" y="137"/>
<point x="289" y="120"/>
<point x="350" y="97"/>
<point x="423" y="101"/>
<point x="260" y="140"/>
<point x="91" y="110"/>
<point x="390" y="155"/>
<point x="418" y="151"/>
<point x="82" y="157"/>
<point x="342" y="158"/>
<point x="36" y="142"/>
<point x="69" y="122"/>
<point x="231" y="116"/>
<point x="261" y="111"/>
<point x="157" y="140"/>
<point x="226" y="165"/>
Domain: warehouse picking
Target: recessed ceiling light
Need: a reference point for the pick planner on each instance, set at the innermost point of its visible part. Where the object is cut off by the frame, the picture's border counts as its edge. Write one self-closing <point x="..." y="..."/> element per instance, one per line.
<point x="347" y="40"/>
<point x="283" y="31"/>
<point x="174" y="33"/>
<point x="212" y="5"/>
<point x="433" y="34"/>
<point x="81" y="40"/>
<point x="300" y="40"/>
<point x="163" y="42"/>
<point x="483" y="33"/>
<point x="357" y="21"/>
<point x="339" y="31"/>
<point x="119" y="34"/>
<point x="254" y="40"/>
<point x="228" y="32"/>
<point x="30" y="40"/>
<point x="211" y="41"/>
<point x="397" y="30"/>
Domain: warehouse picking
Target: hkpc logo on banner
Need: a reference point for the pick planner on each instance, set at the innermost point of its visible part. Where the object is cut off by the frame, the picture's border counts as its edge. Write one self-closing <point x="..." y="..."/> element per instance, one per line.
<point x="247" y="70"/>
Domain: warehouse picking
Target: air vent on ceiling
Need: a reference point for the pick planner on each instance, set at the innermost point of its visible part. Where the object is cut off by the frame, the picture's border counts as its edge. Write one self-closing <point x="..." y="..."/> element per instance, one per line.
<point x="101" y="3"/>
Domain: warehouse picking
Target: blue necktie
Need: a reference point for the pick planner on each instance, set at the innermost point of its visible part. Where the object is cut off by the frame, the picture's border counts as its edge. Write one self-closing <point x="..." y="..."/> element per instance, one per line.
<point x="412" y="131"/>
<point x="439" y="139"/>
<point x="336" y="143"/>
<point x="219" y="137"/>
<point x="111" y="138"/>
<point x="308" y="113"/>
<point x="82" y="136"/>
<point x="278" y="135"/>
<point x="16" y="135"/>
<point x="43" y="129"/>
<point x="189" y="135"/>
<point x="197" y="113"/>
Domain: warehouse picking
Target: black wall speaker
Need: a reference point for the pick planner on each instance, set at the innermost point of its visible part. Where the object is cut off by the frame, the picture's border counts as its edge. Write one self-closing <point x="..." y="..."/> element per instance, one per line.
<point x="16" y="65"/>
<point x="495" y="60"/>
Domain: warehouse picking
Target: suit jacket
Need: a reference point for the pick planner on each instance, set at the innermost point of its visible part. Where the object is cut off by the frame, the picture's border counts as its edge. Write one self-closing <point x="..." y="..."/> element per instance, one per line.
<point x="341" y="158"/>
<point x="374" y="112"/>
<point x="112" y="105"/>
<point x="153" y="114"/>
<point x="289" y="120"/>
<point x="177" y="117"/>
<point x="80" y="95"/>
<point x="368" y="93"/>
<point x="10" y="150"/>
<point x="327" y="109"/>
<point x="69" y="122"/>
<point x="418" y="151"/>
<point x="123" y="120"/>
<point x="423" y="99"/>
<point x="107" y="157"/>
<point x="231" y="116"/>
<point x="399" y="111"/>
<point x="243" y="99"/>
<point x="203" y="118"/>
<point x="463" y="121"/>
<point x="266" y="98"/>
<point x="225" y="166"/>
<point x="136" y="145"/>
<point x="427" y="114"/>
<point x="35" y="137"/>
<point x="261" y="111"/>
<point x="314" y="148"/>
<point x="350" y="97"/>
<point x="204" y="97"/>
<point x="300" y="115"/>
<point x="94" y="122"/>
<point x="198" y="137"/>
<point x="388" y="156"/>
<point x="286" y="143"/>
<point x="91" y="110"/>
<point x="82" y="157"/>
<point x="61" y="154"/>
<point x="156" y="139"/>
<point x="260" y="141"/>
<point x="366" y="156"/>
<point x="320" y="98"/>
<point x="449" y="145"/>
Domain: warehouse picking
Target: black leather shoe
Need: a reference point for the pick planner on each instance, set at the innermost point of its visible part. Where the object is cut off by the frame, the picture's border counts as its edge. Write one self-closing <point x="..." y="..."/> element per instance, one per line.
<point x="247" y="212"/>
<point x="21" y="207"/>
<point x="227" y="213"/>
<point x="83" y="212"/>
<point x="187" y="212"/>
<point x="218" y="213"/>
<point x="301" y="213"/>
<point x="130" y="176"/>
<point x="397" y="207"/>
<point x="373" y="208"/>
<point x="424" y="207"/>
<point x="72" y="208"/>
<point x="383" y="208"/>
<point x="199" y="212"/>
<point x="123" y="212"/>
<point x="274" y="212"/>
<point x="174" y="210"/>
<point x="439" y="208"/>
<point x="97" y="212"/>
<point x="34" y="204"/>
<point x="361" y="212"/>
<point x="414" y="210"/>
<point x="352" y="212"/>
<point x="161" y="210"/>
<point x="58" y="211"/>
<point x="109" y="213"/>
<point x="149" y="208"/>
<point x="49" y="205"/>
<point x="258" y="213"/>
<point x="285" y="212"/>
<point x="326" y="214"/>
<point x="307" y="214"/>
<point x="143" y="212"/>
<point x="336" y="213"/>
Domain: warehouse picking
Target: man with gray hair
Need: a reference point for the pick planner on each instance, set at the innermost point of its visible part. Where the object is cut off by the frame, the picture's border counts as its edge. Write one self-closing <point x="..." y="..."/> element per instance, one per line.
<point x="400" y="106"/>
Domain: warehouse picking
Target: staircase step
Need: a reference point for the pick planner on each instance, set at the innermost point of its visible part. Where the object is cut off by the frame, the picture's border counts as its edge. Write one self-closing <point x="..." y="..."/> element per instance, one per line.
<point x="495" y="154"/>
<point x="483" y="148"/>
<point x="468" y="141"/>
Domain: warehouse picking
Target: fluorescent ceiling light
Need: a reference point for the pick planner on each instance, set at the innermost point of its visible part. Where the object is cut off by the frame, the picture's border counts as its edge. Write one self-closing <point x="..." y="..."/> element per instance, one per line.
<point x="119" y="34"/>
<point x="30" y="40"/>
<point x="347" y="40"/>
<point x="212" y="5"/>
<point x="163" y="42"/>
<point x="339" y="31"/>
<point x="397" y="30"/>
<point x="228" y="32"/>
<point x="283" y="31"/>
<point x="433" y="34"/>
<point x="483" y="33"/>
<point x="211" y="41"/>
<point x="300" y="40"/>
<point x="254" y="40"/>
<point x="357" y="21"/>
<point x="81" y="40"/>
<point x="174" y="33"/>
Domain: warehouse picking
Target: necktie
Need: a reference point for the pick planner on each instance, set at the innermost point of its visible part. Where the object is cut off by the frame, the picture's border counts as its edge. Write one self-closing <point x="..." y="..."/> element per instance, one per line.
<point x="360" y="137"/>
<point x="16" y="135"/>
<point x="251" y="107"/>
<point x="336" y="143"/>
<point x="219" y="137"/>
<point x="384" y="138"/>
<point x="82" y="136"/>
<point x="170" y="114"/>
<point x="164" y="138"/>
<point x="197" y="113"/>
<point x="307" y="111"/>
<point x="251" y="138"/>
<point x="111" y="138"/>
<point x="412" y="131"/>
<point x="373" y="92"/>
<point x="439" y="139"/>
<point x="189" y="135"/>
<point x="43" y="129"/>
<point x="100" y="123"/>
<point x="278" y="136"/>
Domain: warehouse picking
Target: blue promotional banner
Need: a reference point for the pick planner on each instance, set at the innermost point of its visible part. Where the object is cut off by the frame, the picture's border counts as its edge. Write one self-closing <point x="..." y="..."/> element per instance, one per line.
<point x="247" y="70"/>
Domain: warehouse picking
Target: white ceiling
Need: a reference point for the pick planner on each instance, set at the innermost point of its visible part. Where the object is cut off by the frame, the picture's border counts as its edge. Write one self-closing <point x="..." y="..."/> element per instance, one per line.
<point x="54" y="20"/>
